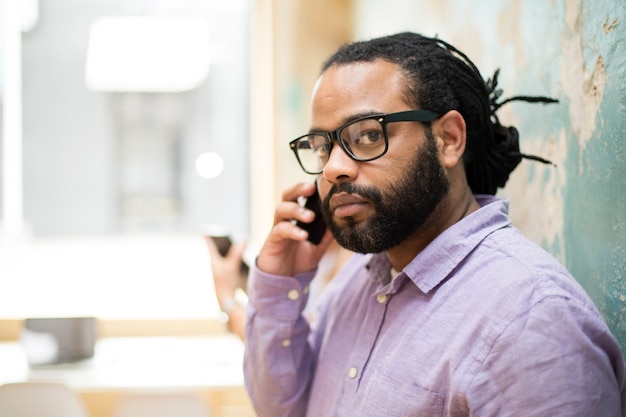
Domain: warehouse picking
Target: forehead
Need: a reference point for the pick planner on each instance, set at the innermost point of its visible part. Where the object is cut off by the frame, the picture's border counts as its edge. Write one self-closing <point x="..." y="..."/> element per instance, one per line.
<point x="346" y="91"/>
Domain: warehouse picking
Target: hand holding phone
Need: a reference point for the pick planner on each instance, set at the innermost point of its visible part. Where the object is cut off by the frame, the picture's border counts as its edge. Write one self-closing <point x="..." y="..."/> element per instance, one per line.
<point x="317" y="227"/>
<point x="221" y="239"/>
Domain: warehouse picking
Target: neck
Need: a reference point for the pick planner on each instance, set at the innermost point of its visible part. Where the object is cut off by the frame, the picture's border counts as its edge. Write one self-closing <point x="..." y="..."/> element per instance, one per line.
<point x="448" y="212"/>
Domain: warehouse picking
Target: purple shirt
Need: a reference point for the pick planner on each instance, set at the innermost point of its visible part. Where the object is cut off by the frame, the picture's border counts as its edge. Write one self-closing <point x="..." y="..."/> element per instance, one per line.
<point x="482" y="322"/>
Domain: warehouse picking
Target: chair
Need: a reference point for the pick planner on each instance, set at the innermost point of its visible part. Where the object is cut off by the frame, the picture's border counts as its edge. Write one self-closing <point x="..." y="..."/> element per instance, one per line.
<point x="162" y="405"/>
<point x="39" y="399"/>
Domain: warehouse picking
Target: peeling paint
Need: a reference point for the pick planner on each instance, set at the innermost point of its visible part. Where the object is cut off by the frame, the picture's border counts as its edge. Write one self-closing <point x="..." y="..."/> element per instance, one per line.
<point x="584" y="90"/>
<point x="608" y="27"/>
<point x="572" y="15"/>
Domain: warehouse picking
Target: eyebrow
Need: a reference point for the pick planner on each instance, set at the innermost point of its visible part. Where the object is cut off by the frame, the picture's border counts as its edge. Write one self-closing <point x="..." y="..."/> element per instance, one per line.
<point x="347" y="120"/>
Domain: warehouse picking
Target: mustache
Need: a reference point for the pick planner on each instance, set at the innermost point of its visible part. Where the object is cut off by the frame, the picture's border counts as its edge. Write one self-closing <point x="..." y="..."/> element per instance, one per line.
<point x="368" y="192"/>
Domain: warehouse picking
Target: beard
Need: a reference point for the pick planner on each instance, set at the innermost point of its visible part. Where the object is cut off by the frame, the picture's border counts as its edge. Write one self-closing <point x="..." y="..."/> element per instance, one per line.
<point x="400" y="210"/>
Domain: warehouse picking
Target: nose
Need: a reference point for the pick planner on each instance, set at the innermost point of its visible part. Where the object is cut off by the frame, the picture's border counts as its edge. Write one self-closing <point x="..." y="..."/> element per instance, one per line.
<point x="339" y="165"/>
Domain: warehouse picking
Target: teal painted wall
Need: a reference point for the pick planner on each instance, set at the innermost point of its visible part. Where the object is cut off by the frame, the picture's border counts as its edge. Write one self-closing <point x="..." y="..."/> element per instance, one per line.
<point x="572" y="50"/>
<point x="595" y="196"/>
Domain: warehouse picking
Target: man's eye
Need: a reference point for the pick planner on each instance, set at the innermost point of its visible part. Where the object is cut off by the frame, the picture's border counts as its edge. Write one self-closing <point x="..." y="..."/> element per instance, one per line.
<point x="369" y="137"/>
<point x="322" y="150"/>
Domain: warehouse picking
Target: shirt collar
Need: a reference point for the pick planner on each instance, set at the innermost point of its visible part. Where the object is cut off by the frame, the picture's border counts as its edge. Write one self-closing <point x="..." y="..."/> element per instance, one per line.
<point x="432" y="265"/>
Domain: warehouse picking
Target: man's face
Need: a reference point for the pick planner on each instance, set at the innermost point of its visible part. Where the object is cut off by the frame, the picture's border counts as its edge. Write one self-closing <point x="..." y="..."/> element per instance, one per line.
<point x="374" y="206"/>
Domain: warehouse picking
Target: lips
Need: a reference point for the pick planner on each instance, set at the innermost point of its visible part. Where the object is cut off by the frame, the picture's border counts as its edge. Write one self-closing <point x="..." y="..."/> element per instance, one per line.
<point x="347" y="205"/>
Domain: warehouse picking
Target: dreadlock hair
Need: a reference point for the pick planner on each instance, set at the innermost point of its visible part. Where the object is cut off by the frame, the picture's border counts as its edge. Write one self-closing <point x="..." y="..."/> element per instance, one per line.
<point x="442" y="78"/>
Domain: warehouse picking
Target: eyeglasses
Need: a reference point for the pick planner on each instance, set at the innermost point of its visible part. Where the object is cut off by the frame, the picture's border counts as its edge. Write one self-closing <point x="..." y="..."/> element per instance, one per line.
<point x="363" y="139"/>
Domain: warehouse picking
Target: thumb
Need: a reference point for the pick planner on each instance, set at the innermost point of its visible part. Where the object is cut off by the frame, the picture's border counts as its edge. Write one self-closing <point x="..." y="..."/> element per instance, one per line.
<point x="236" y="250"/>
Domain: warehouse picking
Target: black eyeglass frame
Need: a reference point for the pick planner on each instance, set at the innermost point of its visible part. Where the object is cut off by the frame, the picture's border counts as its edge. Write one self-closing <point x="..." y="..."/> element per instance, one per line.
<point x="423" y="116"/>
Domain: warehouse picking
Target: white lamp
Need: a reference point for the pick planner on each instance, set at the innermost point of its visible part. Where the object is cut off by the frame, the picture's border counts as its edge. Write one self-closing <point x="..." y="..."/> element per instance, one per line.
<point x="147" y="54"/>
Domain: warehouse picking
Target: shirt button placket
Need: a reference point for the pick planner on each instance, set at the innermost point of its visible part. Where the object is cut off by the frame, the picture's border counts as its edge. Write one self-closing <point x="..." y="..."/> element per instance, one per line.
<point x="366" y="341"/>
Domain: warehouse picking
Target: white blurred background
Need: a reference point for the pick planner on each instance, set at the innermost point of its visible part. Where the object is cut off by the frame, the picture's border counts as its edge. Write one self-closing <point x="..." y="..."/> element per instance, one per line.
<point x="125" y="129"/>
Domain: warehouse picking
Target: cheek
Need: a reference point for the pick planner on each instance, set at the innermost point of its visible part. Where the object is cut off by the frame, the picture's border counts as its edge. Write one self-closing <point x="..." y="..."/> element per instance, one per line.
<point x="402" y="156"/>
<point x="384" y="172"/>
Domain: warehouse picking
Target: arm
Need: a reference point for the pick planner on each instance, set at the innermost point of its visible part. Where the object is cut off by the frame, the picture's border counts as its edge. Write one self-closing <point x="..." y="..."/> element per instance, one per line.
<point x="227" y="280"/>
<point x="279" y="362"/>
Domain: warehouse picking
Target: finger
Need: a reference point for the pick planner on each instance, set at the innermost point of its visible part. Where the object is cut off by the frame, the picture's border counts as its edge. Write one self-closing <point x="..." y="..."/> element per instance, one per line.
<point x="236" y="250"/>
<point x="287" y="230"/>
<point x="303" y="189"/>
<point x="213" y="251"/>
<point x="289" y="211"/>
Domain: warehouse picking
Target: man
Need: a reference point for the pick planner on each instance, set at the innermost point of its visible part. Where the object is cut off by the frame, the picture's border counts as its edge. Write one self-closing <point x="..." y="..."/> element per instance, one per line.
<point x="447" y="310"/>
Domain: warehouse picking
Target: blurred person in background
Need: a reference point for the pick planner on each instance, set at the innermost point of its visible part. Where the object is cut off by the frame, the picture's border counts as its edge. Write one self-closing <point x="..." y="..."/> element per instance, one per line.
<point x="228" y="281"/>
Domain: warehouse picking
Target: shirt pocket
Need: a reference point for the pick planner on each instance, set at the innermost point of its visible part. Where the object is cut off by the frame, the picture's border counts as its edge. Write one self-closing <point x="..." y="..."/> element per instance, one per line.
<point x="385" y="395"/>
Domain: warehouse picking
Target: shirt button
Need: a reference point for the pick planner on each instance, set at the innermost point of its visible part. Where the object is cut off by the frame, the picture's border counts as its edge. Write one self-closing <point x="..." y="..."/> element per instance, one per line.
<point x="293" y="295"/>
<point x="305" y="290"/>
<point x="381" y="298"/>
<point x="352" y="372"/>
<point x="286" y="343"/>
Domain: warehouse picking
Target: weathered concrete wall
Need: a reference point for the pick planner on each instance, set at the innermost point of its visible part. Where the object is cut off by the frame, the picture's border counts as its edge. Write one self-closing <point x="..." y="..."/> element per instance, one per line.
<point x="572" y="50"/>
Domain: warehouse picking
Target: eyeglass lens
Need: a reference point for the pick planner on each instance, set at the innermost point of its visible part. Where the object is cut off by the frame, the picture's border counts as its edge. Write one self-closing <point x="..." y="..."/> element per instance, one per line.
<point x="362" y="140"/>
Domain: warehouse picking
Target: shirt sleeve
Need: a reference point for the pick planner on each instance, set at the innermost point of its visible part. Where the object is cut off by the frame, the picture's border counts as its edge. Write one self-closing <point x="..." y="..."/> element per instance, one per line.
<point x="278" y="360"/>
<point x="556" y="359"/>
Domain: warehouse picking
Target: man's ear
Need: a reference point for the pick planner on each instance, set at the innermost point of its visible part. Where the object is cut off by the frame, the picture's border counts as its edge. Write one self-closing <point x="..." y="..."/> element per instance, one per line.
<point x="450" y="131"/>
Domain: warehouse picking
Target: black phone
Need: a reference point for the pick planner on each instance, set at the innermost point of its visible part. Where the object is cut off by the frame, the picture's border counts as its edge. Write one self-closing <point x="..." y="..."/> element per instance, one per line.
<point x="317" y="227"/>
<point x="223" y="244"/>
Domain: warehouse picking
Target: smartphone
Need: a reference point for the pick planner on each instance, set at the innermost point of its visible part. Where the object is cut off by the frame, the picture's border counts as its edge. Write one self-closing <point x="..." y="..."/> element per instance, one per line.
<point x="317" y="227"/>
<point x="223" y="244"/>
